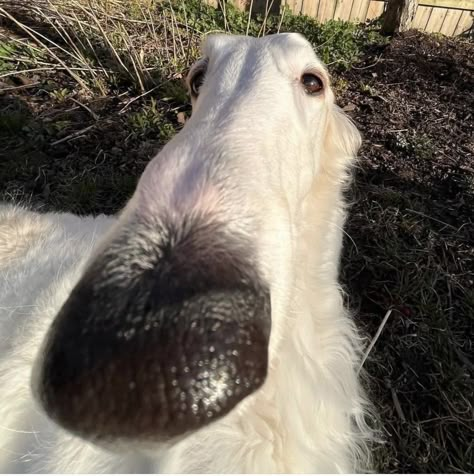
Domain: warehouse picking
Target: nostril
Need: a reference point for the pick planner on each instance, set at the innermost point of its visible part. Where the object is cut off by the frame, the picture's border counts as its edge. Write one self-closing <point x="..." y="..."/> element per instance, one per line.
<point x="163" y="356"/>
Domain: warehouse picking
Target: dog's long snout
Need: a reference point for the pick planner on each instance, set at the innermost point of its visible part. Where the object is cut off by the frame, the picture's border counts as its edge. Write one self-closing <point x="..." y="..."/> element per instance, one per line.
<point x="165" y="332"/>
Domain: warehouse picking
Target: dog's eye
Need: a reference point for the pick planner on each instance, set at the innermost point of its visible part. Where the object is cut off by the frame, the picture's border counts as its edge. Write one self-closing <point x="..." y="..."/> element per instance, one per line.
<point x="197" y="81"/>
<point x="312" y="83"/>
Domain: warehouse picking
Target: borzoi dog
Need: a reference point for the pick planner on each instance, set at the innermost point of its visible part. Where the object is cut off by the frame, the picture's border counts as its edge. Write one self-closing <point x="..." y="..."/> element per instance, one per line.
<point x="202" y="329"/>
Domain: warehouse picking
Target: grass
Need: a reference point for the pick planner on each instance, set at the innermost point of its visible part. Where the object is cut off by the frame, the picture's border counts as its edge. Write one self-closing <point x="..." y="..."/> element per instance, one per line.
<point x="110" y="93"/>
<point x="409" y="262"/>
<point x="150" y="120"/>
<point x="7" y="52"/>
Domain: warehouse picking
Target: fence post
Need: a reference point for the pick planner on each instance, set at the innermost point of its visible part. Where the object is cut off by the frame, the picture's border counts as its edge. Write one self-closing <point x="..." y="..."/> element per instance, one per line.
<point x="399" y="16"/>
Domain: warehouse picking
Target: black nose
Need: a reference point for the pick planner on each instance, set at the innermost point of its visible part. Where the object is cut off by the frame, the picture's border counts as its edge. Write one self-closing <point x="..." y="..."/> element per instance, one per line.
<point x="166" y="331"/>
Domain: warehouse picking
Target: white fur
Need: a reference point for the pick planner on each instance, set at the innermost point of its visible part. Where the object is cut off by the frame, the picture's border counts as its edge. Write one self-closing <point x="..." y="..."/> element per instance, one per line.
<point x="269" y="161"/>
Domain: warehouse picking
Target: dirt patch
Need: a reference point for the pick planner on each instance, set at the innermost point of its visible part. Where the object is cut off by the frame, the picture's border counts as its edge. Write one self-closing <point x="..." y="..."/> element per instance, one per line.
<point x="411" y="225"/>
<point x="63" y="151"/>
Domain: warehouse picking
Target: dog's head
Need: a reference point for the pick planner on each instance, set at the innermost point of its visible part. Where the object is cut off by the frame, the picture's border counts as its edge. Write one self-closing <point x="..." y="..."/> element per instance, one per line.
<point x="172" y="323"/>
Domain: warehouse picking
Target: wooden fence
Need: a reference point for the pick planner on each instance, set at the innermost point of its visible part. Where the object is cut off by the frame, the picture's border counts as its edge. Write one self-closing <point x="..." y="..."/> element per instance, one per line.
<point x="449" y="17"/>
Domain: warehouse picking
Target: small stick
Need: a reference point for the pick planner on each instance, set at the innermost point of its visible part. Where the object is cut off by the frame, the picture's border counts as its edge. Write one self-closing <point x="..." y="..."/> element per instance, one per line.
<point x="396" y="402"/>
<point x="137" y="98"/>
<point x="16" y="88"/>
<point x="374" y="340"/>
<point x="88" y="109"/>
<point x="369" y="66"/>
<point x="74" y="135"/>
<point x="431" y="218"/>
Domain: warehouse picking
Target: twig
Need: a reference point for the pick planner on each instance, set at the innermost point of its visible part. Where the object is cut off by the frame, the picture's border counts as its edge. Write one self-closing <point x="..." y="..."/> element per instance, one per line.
<point x="249" y="18"/>
<point x="265" y="18"/>
<point x="16" y="88"/>
<point x="124" y="108"/>
<point x="221" y="4"/>
<point x="370" y="65"/>
<point x="74" y="135"/>
<point x="281" y="20"/>
<point x="431" y="218"/>
<point x="375" y="339"/>
<point x="22" y="59"/>
<point x="396" y="403"/>
<point x="88" y="109"/>
<point x="34" y="70"/>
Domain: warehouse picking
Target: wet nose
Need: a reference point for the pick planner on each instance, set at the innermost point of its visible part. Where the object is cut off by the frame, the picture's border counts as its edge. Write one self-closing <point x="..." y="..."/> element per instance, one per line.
<point x="166" y="331"/>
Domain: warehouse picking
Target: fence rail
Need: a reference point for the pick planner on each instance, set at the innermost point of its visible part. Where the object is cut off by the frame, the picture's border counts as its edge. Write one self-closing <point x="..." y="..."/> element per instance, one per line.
<point x="449" y="17"/>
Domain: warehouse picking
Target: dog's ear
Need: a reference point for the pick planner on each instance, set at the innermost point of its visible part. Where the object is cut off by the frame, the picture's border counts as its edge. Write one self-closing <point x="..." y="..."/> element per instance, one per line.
<point x="341" y="144"/>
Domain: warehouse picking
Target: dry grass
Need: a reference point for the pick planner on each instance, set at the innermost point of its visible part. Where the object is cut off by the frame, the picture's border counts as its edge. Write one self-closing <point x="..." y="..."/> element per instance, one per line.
<point x="100" y="45"/>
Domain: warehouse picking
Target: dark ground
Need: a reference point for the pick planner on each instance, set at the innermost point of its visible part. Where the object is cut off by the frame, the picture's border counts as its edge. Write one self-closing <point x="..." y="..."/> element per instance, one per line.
<point x="413" y="226"/>
<point x="411" y="221"/>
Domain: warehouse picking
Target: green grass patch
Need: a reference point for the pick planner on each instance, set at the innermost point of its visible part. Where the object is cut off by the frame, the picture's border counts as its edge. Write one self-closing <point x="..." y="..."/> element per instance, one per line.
<point x="7" y="54"/>
<point x="150" y="120"/>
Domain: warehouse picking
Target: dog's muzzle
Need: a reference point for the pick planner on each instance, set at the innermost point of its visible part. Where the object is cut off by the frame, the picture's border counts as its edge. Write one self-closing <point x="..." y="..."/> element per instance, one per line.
<point x="167" y="331"/>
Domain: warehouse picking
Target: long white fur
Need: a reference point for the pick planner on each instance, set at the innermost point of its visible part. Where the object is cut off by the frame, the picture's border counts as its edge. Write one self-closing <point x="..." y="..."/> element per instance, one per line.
<point x="310" y="415"/>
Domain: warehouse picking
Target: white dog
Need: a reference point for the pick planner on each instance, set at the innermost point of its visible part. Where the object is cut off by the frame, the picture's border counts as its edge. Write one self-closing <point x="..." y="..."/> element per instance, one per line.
<point x="203" y="329"/>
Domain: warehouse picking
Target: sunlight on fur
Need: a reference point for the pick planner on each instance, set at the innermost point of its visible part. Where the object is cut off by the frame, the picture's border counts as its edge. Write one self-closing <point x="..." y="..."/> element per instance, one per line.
<point x="245" y="207"/>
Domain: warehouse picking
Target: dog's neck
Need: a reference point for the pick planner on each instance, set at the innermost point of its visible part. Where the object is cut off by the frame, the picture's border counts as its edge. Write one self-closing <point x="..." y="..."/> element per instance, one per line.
<point x="312" y="376"/>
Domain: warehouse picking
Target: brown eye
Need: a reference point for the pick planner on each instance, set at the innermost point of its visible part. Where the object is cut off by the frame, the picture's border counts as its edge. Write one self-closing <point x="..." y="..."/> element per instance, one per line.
<point x="312" y="83"/>
<point x="197" y="81"/>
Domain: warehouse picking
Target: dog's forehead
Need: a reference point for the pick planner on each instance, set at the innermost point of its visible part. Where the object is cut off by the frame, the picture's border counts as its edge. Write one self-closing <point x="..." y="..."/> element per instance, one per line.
<point x="289" y="45"/>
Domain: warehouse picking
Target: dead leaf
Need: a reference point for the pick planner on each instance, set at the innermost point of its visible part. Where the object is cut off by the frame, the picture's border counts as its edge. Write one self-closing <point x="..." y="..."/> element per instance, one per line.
<point x="349" y="107"/>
